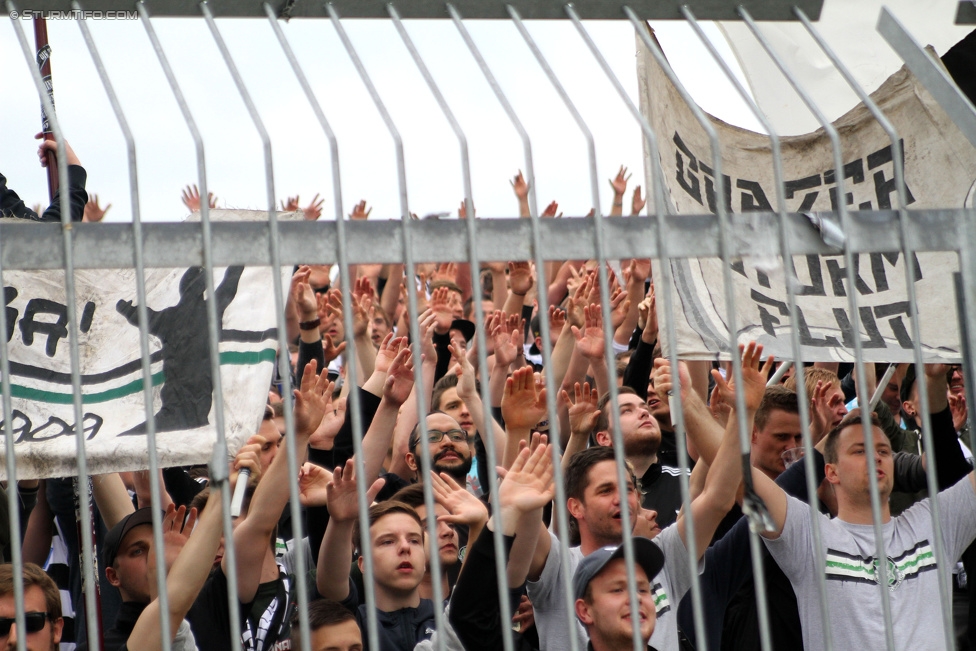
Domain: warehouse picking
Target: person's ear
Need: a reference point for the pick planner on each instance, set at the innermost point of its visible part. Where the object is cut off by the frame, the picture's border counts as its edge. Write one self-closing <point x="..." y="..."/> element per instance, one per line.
<point x="112" y="577"/>
<point x="575" y="507"/>
<point x="583" y="612"/>
<point x="830" y="470"/>
<point x="57" y="628"/>
<point x="360" y="563"/>
<point x="603" y="438"/>
<point x="411" y="461"/>
<point x="755" y="435"/>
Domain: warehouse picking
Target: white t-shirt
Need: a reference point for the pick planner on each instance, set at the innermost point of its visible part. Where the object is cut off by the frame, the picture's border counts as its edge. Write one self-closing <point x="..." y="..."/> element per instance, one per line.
<point x="853" y="597"/>
<point x="549" y="604"/>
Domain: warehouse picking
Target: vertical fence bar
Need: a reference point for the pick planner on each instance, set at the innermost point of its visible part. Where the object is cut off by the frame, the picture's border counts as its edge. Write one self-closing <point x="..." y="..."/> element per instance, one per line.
<point x="10" y="463"/>
<point x="87" y="548"/>
<point x="353" y="396"/>
<point x="908" y="253"/>
<point x="284" y="367"/>
<point x="960" y="110"/>
<point x="656" y="175"/>
<point x="213" y="321"/>
<point x="543" y="305"/>
<point x="606" y="317"/>
<point x="366" y="544"/>
<point x="852" y="306"/>
<point x="803" y="403"/>
<point x="752" y="506"/>
<point x="142" y="313"/>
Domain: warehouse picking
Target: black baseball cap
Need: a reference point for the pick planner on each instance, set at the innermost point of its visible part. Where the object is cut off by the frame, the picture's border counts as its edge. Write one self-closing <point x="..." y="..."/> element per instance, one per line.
<point x="646" y="554"/>
<point x="466" y="328"/>
<point x="113" y="539"/>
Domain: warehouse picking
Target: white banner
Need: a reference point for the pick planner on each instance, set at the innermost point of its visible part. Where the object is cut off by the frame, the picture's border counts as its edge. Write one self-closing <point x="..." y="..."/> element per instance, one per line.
<point x="114" y="415"/>
<point x="940" y="168"/>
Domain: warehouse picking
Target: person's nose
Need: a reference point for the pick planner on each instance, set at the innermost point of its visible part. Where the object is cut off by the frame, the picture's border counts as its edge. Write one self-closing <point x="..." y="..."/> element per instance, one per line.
<point x="12" y="637"/>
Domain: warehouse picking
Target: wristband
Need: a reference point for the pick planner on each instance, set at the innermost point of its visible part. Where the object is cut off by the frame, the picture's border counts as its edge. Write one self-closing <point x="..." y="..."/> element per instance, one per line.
<point x="310" y="325"/>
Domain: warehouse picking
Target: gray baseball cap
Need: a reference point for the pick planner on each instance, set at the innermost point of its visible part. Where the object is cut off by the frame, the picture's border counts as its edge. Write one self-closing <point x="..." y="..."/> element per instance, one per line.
<point x="646" y="554"/>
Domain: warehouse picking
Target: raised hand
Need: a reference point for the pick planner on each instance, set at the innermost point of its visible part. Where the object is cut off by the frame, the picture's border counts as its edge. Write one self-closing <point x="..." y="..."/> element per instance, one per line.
<point x="290" y="204"/>
<point x="589" y="339"/>
<point x="584" y="409"/>
<point x="94" y="212"/>
<point x="466" y="388"/>
<point x="342" y="496"/>
<point x="389" y="348"/>
<point x="191" y="198"/>
<point x="314" y="209"/>
<point x="302" y="295"/>
<point x="428" y="353"/>
<point x="524" y="401"/>
<point x="528" y="484"/>
<point x="619" y="306"/>
<point x="312" y="399"/>
<point x="520" y="277"/>
<point x="332" y="419"/>
<point x="753" y="377"/>
<point x="399" y="381"/>
<point x="661" y="376"/>
<point x="177" y="527"/>
<point x="520" y="186"/>
<point x="637" y="202"/>
<point x="957" y="407"/>
<point x="445" y="271"/>
<point x="462" y="507"/>
<point x="503" y="340"/>
<point x="440" y="306"/>
<point x="557" y="319"/>
<point x="249" y="457"/>
<point x="313" y="485"/>
<point x="551" y="209"/>
<point x="359" y="211"/>
<point x="619" y="184"/>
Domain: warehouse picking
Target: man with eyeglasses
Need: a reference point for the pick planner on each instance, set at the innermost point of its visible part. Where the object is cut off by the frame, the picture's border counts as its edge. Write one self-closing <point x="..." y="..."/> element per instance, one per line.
<point x="451" y="449"/>
<point x="42" y="610"/>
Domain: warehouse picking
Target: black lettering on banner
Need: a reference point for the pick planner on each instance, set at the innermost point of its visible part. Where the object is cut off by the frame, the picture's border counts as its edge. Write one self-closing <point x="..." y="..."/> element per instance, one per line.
<point x="25" y="432"/>
<point x="55" y="331"/>
<point x="768" y="321"/>
<point x="896" y="324"/>
<point x="799" y="185"/>
<point x="9" y="294"/>
<point x="881" y="275"/>
<point x="874" y="340"/>
<point x="838" y="275"/>
<point x="754" y="198"/>
<point x="816" y="288"/>
<point x="710" y="188"/>
<point x="853" y="171"/>
<point x="883" y="188"/>
<point x="690" y="184"/>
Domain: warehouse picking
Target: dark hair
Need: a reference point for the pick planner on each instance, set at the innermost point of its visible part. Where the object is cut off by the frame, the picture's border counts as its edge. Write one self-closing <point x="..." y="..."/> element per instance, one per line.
<point x="379" y="511"/>
<point x="442" y="385"/>
<point x="414" y="440"/>
<point x="412" y="495"/>
<point x="907" y="384"/>
<point x="33" y="575"/>
<point x="320" y="613"/>
<point x="603" y="420"/>
<point x="855" y="417"/>
<point x="578" y="478"/>
<point x="776" y="398"/>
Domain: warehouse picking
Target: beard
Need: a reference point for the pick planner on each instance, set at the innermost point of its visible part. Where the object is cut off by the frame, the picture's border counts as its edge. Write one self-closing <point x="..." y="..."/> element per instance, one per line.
<point x="458" y="470"/>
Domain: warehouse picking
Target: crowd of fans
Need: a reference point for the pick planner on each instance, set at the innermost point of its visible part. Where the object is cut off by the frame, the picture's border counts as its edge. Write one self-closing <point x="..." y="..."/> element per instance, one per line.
<point x="459" y="605"/>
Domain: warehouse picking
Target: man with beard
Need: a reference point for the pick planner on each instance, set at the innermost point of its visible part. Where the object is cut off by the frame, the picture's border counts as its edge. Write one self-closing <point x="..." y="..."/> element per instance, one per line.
<point x="660" y="484"/>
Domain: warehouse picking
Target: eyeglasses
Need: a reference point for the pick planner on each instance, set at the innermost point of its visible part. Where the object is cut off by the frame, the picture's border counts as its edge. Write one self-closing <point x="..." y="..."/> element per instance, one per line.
<point x="456" y="435"/>
<point x="34" y="622"/>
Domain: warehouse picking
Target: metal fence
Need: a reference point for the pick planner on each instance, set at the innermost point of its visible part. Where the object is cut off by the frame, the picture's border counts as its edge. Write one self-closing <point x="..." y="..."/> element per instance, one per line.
<point x="661" y="237"/>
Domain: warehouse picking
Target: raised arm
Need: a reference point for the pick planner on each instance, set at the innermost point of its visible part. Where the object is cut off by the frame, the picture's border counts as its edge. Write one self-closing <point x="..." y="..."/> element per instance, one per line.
<point x="703" y="431"/>
<point x="523" y="406"/>
<point x="379" y="436"/>
<point x="725" y="472"/>
<point x="196" y="547"/>
<point x="251" y="537"/>
<point x="468" y="392"/>
<point x="335" y="555"/>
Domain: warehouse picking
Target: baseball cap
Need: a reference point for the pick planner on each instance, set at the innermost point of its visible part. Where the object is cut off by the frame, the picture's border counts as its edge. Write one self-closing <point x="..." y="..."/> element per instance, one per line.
<point x="113" y="539"/>
<point x="467" y="328"/>
<point x="646" y="554"/>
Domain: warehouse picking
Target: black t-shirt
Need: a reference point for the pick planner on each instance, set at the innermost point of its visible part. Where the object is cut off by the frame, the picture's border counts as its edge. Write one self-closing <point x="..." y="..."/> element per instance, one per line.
<point x="209" y="616"/>
<point x="116" y="637"/>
